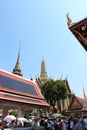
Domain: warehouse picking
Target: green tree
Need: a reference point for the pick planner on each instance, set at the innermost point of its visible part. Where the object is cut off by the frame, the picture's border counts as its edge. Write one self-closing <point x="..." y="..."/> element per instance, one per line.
<point x="61" y="89"/>
<point x="14" y="112"/>
<point x="54" y="91"/>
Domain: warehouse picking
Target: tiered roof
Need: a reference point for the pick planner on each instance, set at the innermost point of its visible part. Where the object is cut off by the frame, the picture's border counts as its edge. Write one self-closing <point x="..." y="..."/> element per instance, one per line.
<point x="77" y="104"/>
<point x="18" y="89"/>
<point x="79" y="30"/>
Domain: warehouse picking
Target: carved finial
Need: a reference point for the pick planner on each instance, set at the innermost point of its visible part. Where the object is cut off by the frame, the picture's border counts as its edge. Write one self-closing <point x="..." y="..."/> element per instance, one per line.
<point x="69" y="21"/>
<point x="84" y="93"/>
<point x="17" y="69"/>
<point x="20" y="45"/>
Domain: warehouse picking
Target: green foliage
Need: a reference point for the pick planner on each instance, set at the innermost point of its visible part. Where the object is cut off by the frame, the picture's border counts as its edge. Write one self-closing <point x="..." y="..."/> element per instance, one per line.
<point x="53" y="91"/>
<point x="14" y="112"/>
<point x="61" y="89"/>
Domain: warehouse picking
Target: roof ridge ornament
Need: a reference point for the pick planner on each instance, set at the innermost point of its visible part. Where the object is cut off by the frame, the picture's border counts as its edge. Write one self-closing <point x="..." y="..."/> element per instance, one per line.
<point x="69" y="21"/>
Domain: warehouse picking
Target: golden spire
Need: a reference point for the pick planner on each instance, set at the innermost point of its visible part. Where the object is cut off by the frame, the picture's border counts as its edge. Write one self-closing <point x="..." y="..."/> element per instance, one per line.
<point x="17" y="69"/>
<point x="84" y="93"/>
<point x="43" y="75"/>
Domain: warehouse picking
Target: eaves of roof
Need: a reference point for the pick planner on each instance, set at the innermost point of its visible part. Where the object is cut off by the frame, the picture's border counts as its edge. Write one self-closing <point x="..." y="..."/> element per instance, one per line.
<point x="22" y="99"/>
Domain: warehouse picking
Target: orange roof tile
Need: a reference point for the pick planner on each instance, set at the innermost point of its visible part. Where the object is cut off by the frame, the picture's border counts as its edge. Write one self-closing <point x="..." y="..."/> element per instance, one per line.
<point x="18" y="89"/>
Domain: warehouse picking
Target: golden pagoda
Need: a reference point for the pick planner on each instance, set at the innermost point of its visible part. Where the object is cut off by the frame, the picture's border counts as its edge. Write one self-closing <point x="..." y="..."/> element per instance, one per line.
<point x="43" y="74"/>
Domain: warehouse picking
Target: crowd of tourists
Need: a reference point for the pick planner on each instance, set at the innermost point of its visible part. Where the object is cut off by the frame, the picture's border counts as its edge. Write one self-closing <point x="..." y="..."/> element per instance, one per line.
<point x="71" y="123"/>
<point x="62" y="123"/>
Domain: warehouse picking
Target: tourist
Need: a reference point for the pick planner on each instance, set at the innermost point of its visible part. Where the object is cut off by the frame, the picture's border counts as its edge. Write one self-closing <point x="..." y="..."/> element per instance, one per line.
<point x="64" y="125"/>
<point x="77" y="125"/>
<point x="70" y="123"/>
<point x="59" y="124"/>
<point x="35" y="124"/>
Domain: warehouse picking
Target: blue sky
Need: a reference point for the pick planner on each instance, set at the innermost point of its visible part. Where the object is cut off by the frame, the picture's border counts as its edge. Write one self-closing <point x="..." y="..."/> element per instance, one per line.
<point x="41" y="27"/>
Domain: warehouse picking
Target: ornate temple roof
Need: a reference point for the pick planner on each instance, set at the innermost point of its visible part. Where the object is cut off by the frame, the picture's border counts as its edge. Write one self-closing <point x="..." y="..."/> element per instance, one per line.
<point x="18" y="89"/>
<point x="67" y="85"/>
<point x="79" y="30"/>
<point x="77" y="104"/>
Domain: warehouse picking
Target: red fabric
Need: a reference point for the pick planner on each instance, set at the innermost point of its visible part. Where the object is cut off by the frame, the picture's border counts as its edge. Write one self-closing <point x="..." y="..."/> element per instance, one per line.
<point x="0" y="127"/>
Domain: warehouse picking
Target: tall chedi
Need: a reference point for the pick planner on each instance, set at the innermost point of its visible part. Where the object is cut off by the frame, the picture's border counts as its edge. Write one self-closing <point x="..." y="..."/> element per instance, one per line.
<point x="17" y="69"/>
<point x="43" y="74"/>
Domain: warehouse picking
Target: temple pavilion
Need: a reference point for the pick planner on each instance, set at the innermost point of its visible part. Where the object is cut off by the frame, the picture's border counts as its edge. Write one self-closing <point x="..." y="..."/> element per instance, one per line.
<point x="20" y="93"/>
<point x="17" y="92"/>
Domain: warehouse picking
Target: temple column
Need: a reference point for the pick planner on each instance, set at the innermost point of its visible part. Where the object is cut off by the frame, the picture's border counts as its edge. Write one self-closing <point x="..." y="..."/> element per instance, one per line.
<point x="38" y="112"/>
<point x="45" y="111"/>
<point x="4" y="112"/>
<point x="19" y="112"/>
<point x="65" y="103"/>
